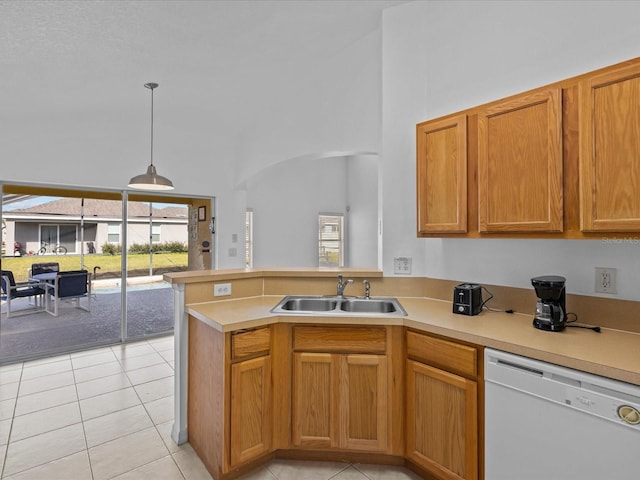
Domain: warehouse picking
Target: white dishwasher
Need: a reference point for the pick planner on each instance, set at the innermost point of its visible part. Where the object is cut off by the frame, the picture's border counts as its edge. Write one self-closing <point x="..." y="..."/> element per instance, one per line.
<point x="545" y="422"/>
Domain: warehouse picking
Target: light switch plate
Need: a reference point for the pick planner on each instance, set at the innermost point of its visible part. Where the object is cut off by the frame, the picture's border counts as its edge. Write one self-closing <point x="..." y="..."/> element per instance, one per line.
<point x="221" y="289"/>
<point x="402" y="265"/>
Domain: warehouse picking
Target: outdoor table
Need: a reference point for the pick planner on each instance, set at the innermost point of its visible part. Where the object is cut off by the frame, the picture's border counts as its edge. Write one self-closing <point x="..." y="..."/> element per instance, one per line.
<point x="45" y="279"/>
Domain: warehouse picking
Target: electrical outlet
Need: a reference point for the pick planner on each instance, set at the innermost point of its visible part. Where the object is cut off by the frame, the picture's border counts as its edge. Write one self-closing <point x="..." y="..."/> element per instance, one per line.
<point x="221" y="289"/>
<point x="605" y="280"/>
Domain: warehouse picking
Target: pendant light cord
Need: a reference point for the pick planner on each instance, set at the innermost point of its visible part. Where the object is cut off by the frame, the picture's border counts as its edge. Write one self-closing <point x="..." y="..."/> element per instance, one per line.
<point x="151" y="86"/>
<point x="151" y="126"/>
<point x="151" y="180"/>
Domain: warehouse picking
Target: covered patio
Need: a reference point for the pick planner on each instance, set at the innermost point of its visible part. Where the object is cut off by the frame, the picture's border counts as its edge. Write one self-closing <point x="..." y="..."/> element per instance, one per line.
<point x="149" y="313"/>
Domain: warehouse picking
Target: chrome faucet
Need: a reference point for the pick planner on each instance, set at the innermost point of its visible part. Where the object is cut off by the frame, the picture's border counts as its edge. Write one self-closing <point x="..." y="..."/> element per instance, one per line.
<point x="367" y="289"/>
<point x="342" y="285"/>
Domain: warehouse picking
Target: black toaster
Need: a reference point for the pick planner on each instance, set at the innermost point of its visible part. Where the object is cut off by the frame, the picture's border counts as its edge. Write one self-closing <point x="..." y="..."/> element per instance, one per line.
<point x="467" y="299"/>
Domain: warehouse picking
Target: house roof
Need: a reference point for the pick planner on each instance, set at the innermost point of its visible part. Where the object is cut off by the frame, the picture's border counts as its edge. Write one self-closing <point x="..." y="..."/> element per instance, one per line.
<point x="99" y="208"/>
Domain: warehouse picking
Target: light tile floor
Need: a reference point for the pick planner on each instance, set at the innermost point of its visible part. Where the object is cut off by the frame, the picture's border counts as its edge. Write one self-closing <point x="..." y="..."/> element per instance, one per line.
<point x="107" y="413"/>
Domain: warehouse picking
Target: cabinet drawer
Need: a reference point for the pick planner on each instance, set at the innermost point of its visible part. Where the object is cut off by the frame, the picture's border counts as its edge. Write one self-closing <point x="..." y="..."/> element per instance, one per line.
<point x="447" y="355"/>
<point x="340" y="339"/>
<point x="251" y="343"/>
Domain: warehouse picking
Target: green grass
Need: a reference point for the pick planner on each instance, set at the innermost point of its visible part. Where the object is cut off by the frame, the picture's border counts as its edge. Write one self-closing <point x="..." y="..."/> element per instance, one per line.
<point x="110" y="267"/>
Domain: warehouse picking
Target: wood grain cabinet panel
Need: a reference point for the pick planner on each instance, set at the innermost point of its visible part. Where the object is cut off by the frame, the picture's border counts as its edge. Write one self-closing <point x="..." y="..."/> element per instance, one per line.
<point x="251" y="419"/>
<point x="363" y="402"/>
<point x="340" y="401"/>
<point x="250" y="343"/>
<point x="609" y="127"/>
<point x="441" y="152"/>
<point x="520" y="164"/>
<point x="442" y="431"/>
<point x="336" y="339"/>
<point x="315" y="400"/>
<point x="454" y="357"/>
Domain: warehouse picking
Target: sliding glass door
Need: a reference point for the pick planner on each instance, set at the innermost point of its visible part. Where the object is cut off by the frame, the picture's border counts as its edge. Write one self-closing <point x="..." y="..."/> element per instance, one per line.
<point x="57" y="250"/>
<point x="124" y="247"/>
<point x="157" y="242"/>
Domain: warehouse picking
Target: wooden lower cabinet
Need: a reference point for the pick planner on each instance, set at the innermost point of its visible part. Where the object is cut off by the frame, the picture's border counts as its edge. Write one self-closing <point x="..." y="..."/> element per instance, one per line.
<point x="375" y="394"/>
<point x="315" y="400"/>
<point x="442" y="422"/>
<point x="251" y="418"/>
<point x="340" y="401"/>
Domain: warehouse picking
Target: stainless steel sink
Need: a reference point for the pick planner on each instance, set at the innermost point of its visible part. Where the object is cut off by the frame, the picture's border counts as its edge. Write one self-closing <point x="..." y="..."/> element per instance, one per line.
<point x="308" y="304"/>
<point x="372" y="305"/>
<point x="314" y="305"/>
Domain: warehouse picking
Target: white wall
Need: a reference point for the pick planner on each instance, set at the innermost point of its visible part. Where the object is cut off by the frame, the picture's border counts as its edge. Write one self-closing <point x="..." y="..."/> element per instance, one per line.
<point x="440" y="57"/>
<point x="362" y="218"/>
<point x="228" y="105"/>
<point x="286" y="200"/>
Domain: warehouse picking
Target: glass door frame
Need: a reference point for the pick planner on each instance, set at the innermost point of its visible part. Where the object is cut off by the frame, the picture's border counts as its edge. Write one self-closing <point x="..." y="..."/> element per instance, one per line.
<point x="124" y="196"/>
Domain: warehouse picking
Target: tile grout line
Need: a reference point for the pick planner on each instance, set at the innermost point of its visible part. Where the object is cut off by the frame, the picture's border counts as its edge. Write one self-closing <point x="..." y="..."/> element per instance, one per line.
<point x="84" y="432"/>
<point x="340" y="472"/>
<point x="77" y="402"/>
<point x="74" y="370"/>
<point x="9" y="442"/>
<point x="13" y="416"/>
<point x="142" y="403"/>
<point x="156" y="426"/>
<point x="363" y="473"/>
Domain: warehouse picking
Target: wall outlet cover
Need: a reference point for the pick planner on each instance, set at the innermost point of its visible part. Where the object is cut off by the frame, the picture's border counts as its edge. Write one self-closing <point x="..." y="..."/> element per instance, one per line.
<point x="605" y="280"/>
<point x="221" y="289"/>
<point x="402" y="265"/>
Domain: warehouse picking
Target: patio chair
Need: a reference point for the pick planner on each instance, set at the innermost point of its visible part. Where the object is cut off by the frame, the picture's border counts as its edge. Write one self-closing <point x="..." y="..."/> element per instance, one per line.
<point x="45" y="267"/>
<point x="13" y="291"/>
<point x="73" y="285"/>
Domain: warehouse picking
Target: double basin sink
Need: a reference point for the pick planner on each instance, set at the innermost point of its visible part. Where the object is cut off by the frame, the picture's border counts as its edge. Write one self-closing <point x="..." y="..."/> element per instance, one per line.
<point x="313" y="305"/>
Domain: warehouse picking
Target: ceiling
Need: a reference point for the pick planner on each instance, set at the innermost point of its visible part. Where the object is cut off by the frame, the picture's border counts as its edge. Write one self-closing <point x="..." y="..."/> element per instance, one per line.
<point x="89" y="60"/>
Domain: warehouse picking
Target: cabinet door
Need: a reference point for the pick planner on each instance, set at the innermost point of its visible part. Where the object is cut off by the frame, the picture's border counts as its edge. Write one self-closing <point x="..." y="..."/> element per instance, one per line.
<point x="363" y="402"/>
<point x="441" y="154"/>
<point x="609" y="148"/>
<point x="442" y="423"/>
<point x="315" y="395"/>
<point x="250" y="409"/>
<point x="520" y="164"/>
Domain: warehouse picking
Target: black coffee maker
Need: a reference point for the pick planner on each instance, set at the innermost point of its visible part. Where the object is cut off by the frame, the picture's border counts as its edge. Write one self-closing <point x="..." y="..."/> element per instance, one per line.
<point x="550" y="309"/>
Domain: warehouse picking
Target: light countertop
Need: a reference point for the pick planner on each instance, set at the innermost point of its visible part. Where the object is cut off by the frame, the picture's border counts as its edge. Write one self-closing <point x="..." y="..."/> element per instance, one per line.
<point x="611" y="353"/>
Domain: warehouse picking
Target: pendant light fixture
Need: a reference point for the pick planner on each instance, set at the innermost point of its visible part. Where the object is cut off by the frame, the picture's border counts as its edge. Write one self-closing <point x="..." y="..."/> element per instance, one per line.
<point x="151" y="180"/>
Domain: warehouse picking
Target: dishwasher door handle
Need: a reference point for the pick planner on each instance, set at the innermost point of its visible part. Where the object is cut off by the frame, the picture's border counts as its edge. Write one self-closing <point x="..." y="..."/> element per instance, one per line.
<point x="517" y="366"/>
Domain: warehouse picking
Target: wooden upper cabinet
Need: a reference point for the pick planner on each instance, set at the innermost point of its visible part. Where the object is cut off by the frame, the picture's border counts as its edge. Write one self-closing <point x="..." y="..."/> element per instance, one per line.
<point x="442" y="175"/>
<point x="520" y="164"/>
<point x="609" y="113"/>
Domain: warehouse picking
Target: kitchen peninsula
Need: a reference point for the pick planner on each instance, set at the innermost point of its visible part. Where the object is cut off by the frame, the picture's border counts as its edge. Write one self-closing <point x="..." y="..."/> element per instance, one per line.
<point x="251" y="384"/>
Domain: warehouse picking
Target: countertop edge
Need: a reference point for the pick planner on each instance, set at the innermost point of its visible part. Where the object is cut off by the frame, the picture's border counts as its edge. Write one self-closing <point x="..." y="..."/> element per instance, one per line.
<point x="196" y="276"/>
<point x="250" y="312"/>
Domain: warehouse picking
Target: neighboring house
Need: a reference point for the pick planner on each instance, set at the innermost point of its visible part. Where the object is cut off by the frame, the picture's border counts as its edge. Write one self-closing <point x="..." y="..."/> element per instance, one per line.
<point x="86" y="225"/>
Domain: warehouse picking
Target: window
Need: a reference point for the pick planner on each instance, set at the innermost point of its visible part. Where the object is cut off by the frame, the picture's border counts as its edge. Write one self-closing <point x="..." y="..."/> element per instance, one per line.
<point x="331" y="240"/>
<point x="62" y="235"/>
<point x="155" y="233"/>
<point x="248" y="238"/>
<point x="113" y="233"/>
